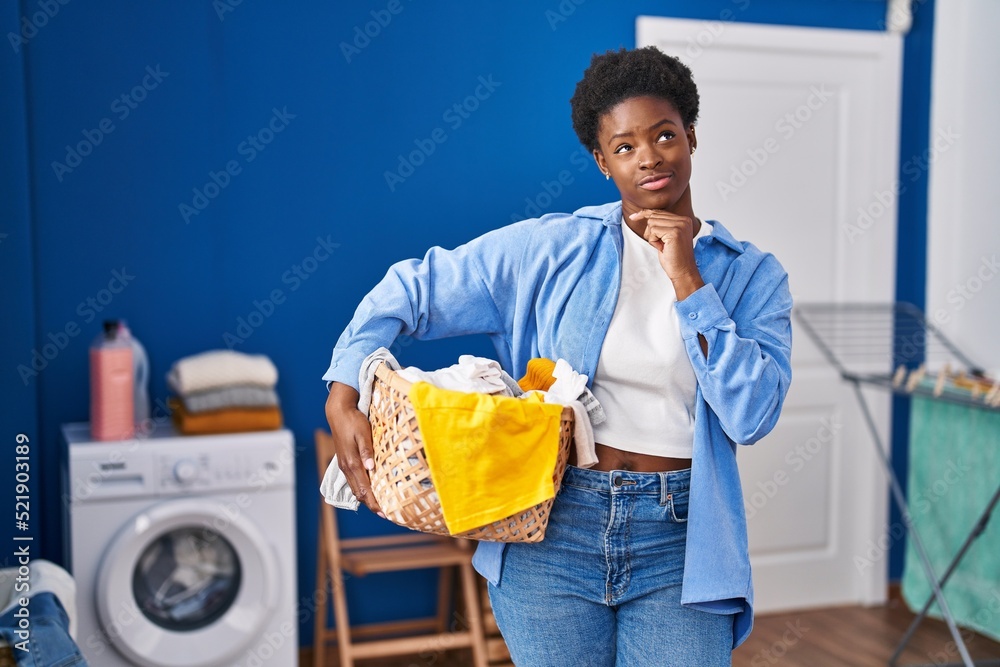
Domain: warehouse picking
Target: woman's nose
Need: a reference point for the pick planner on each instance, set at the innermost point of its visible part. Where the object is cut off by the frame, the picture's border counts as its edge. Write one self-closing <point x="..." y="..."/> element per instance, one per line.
<point x="648" y="158"/>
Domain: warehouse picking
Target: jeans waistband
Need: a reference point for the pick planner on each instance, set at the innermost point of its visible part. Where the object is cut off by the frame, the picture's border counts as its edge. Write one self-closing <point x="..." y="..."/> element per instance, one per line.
<point x="627" y="481"/>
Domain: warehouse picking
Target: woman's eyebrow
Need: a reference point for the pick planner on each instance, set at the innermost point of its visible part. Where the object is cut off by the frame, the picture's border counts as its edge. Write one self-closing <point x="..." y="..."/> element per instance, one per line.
<point x="665" y="121"/>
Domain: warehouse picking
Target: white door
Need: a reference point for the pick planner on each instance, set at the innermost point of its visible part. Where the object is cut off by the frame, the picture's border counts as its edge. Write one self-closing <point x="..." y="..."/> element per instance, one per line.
<point x="797" y="153"/>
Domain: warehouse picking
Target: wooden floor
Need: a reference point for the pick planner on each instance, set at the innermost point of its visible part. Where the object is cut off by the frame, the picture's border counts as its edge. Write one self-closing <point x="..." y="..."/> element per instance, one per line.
<point x="842" y="637"/>
<point x="853" y="637"/>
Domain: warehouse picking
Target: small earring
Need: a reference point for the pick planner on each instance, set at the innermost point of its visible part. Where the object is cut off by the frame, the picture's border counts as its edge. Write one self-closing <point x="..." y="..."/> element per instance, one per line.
<point x="693" y="149"/>
<point x="607" y="175"/>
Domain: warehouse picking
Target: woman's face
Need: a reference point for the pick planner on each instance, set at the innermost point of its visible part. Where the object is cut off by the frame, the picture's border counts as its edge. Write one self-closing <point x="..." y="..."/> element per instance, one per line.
<point x="643" y="144"/>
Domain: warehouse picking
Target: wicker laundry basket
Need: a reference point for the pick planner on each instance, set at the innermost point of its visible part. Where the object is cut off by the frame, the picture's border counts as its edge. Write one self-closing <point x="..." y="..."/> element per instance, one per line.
<point x="401" y="480"/>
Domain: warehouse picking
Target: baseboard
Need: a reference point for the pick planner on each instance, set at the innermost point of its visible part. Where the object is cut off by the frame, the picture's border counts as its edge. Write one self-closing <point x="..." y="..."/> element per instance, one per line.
<point x="895" y="592"/>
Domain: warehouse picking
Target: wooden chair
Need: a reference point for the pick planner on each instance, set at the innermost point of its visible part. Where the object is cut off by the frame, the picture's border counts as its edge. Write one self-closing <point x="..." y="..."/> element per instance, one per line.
<point x="390" y="553"/>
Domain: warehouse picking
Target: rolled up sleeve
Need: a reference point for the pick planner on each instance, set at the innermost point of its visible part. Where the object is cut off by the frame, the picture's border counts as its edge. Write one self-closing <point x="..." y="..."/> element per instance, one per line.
<point x="746" y="374"/>
<point x="447" y="293"/>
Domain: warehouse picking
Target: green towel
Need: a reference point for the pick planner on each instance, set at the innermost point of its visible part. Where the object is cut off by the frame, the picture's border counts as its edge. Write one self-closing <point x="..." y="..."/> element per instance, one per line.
<point x="954" y="472"/>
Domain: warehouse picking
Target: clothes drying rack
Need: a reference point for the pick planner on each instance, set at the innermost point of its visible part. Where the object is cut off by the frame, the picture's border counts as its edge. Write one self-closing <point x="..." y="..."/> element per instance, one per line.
<point x="865" y="342"/>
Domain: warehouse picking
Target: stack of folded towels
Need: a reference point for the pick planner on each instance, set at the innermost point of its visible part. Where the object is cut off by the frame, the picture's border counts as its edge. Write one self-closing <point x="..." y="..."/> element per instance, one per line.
<point x="224" y="391"/>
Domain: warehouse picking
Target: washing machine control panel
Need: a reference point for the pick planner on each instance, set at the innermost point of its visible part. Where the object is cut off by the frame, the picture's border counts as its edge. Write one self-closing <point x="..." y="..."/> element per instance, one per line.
<point x="176" y="466"/>
<point x="182" y="472"/>
<point x="186" y="471"/>
<point x="223" y="470"/>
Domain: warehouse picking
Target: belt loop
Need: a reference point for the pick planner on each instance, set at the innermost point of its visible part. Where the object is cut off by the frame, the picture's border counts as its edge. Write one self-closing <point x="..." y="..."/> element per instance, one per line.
<point x="664" y="488"/>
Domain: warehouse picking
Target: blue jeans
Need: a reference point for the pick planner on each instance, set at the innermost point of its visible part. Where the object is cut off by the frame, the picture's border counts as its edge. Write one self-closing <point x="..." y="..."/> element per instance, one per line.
<point x="47" y="643"/>
<point x="604" y="586"/>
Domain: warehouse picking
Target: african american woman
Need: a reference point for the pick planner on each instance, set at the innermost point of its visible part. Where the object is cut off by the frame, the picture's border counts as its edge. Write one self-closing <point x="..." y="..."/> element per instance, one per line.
<point x="685" y="333"/>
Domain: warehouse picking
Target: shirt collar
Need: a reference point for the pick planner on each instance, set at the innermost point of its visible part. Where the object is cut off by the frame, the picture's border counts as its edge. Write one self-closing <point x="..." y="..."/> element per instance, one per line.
<point x="722" y="235"/>
<point x="611" y="215"/>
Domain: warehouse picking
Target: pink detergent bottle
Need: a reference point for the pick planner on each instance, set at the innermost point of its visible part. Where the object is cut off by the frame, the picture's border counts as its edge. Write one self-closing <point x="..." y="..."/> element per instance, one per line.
<point x="112" y="414"/>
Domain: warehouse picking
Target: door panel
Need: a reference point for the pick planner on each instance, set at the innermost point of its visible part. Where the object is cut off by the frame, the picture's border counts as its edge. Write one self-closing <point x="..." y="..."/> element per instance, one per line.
<point x="797" y="152"/>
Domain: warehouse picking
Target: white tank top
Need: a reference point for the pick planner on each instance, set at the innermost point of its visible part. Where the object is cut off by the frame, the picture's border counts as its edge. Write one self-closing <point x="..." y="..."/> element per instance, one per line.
<point x="644" y="378"/>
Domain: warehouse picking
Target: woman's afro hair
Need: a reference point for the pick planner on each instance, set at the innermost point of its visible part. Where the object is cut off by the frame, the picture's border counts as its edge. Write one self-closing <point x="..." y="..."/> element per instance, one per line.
<point x="616" y="76"/>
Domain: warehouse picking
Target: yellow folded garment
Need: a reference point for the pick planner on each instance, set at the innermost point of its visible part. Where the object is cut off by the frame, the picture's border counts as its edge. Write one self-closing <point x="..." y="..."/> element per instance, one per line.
<point x="227" y="420"/>
<point x="490" y="456"/>
<point x="538" y="375"/>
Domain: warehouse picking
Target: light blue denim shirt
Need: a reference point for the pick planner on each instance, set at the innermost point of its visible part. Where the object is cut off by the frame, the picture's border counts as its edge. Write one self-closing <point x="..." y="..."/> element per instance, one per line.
<point x="547" y="287"/>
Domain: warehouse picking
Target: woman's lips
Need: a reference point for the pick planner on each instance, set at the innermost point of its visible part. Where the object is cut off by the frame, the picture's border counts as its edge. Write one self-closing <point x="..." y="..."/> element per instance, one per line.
<point x="658" y="183"/>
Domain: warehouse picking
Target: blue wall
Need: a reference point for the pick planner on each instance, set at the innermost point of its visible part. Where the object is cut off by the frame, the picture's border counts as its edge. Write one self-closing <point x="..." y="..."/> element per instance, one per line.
<point x="205" y="86"/>
<point x="19" y="414"/>
<point x="911" y="244"/>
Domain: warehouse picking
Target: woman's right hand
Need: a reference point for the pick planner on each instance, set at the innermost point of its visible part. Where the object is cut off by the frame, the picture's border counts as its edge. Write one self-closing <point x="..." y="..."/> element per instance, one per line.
<point x="352" y="438"/>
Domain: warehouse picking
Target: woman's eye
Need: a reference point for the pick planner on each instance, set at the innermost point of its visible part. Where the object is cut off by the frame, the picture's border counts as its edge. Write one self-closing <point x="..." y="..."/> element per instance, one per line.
<point x="623" y="148"/>
<point x="667" y="135"/>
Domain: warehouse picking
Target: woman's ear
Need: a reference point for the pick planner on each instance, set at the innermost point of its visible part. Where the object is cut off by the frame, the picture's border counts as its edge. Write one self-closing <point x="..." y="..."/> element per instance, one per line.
<point x="692" y="139"/>
<point x="601" y="162"/>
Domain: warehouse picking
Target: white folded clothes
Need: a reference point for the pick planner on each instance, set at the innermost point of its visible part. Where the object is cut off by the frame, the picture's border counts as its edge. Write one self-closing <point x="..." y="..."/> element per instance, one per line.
<point x="221" y="368"/>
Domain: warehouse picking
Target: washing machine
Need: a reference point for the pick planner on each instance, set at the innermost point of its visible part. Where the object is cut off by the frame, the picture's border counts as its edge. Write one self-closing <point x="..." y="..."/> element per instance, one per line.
<point x="183" y="548"/>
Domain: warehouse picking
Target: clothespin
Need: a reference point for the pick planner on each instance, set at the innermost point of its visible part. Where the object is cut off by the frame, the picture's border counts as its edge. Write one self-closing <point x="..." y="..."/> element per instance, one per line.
<point x="993" y="394"/>
<point x="915" y="377"/>
<point x="899" y="377"/>
<point x="942" y="378"/>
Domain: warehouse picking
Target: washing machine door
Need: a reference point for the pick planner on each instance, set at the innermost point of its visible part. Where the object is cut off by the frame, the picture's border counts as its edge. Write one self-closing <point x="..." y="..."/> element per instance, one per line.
<point x="187" y="583"/>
